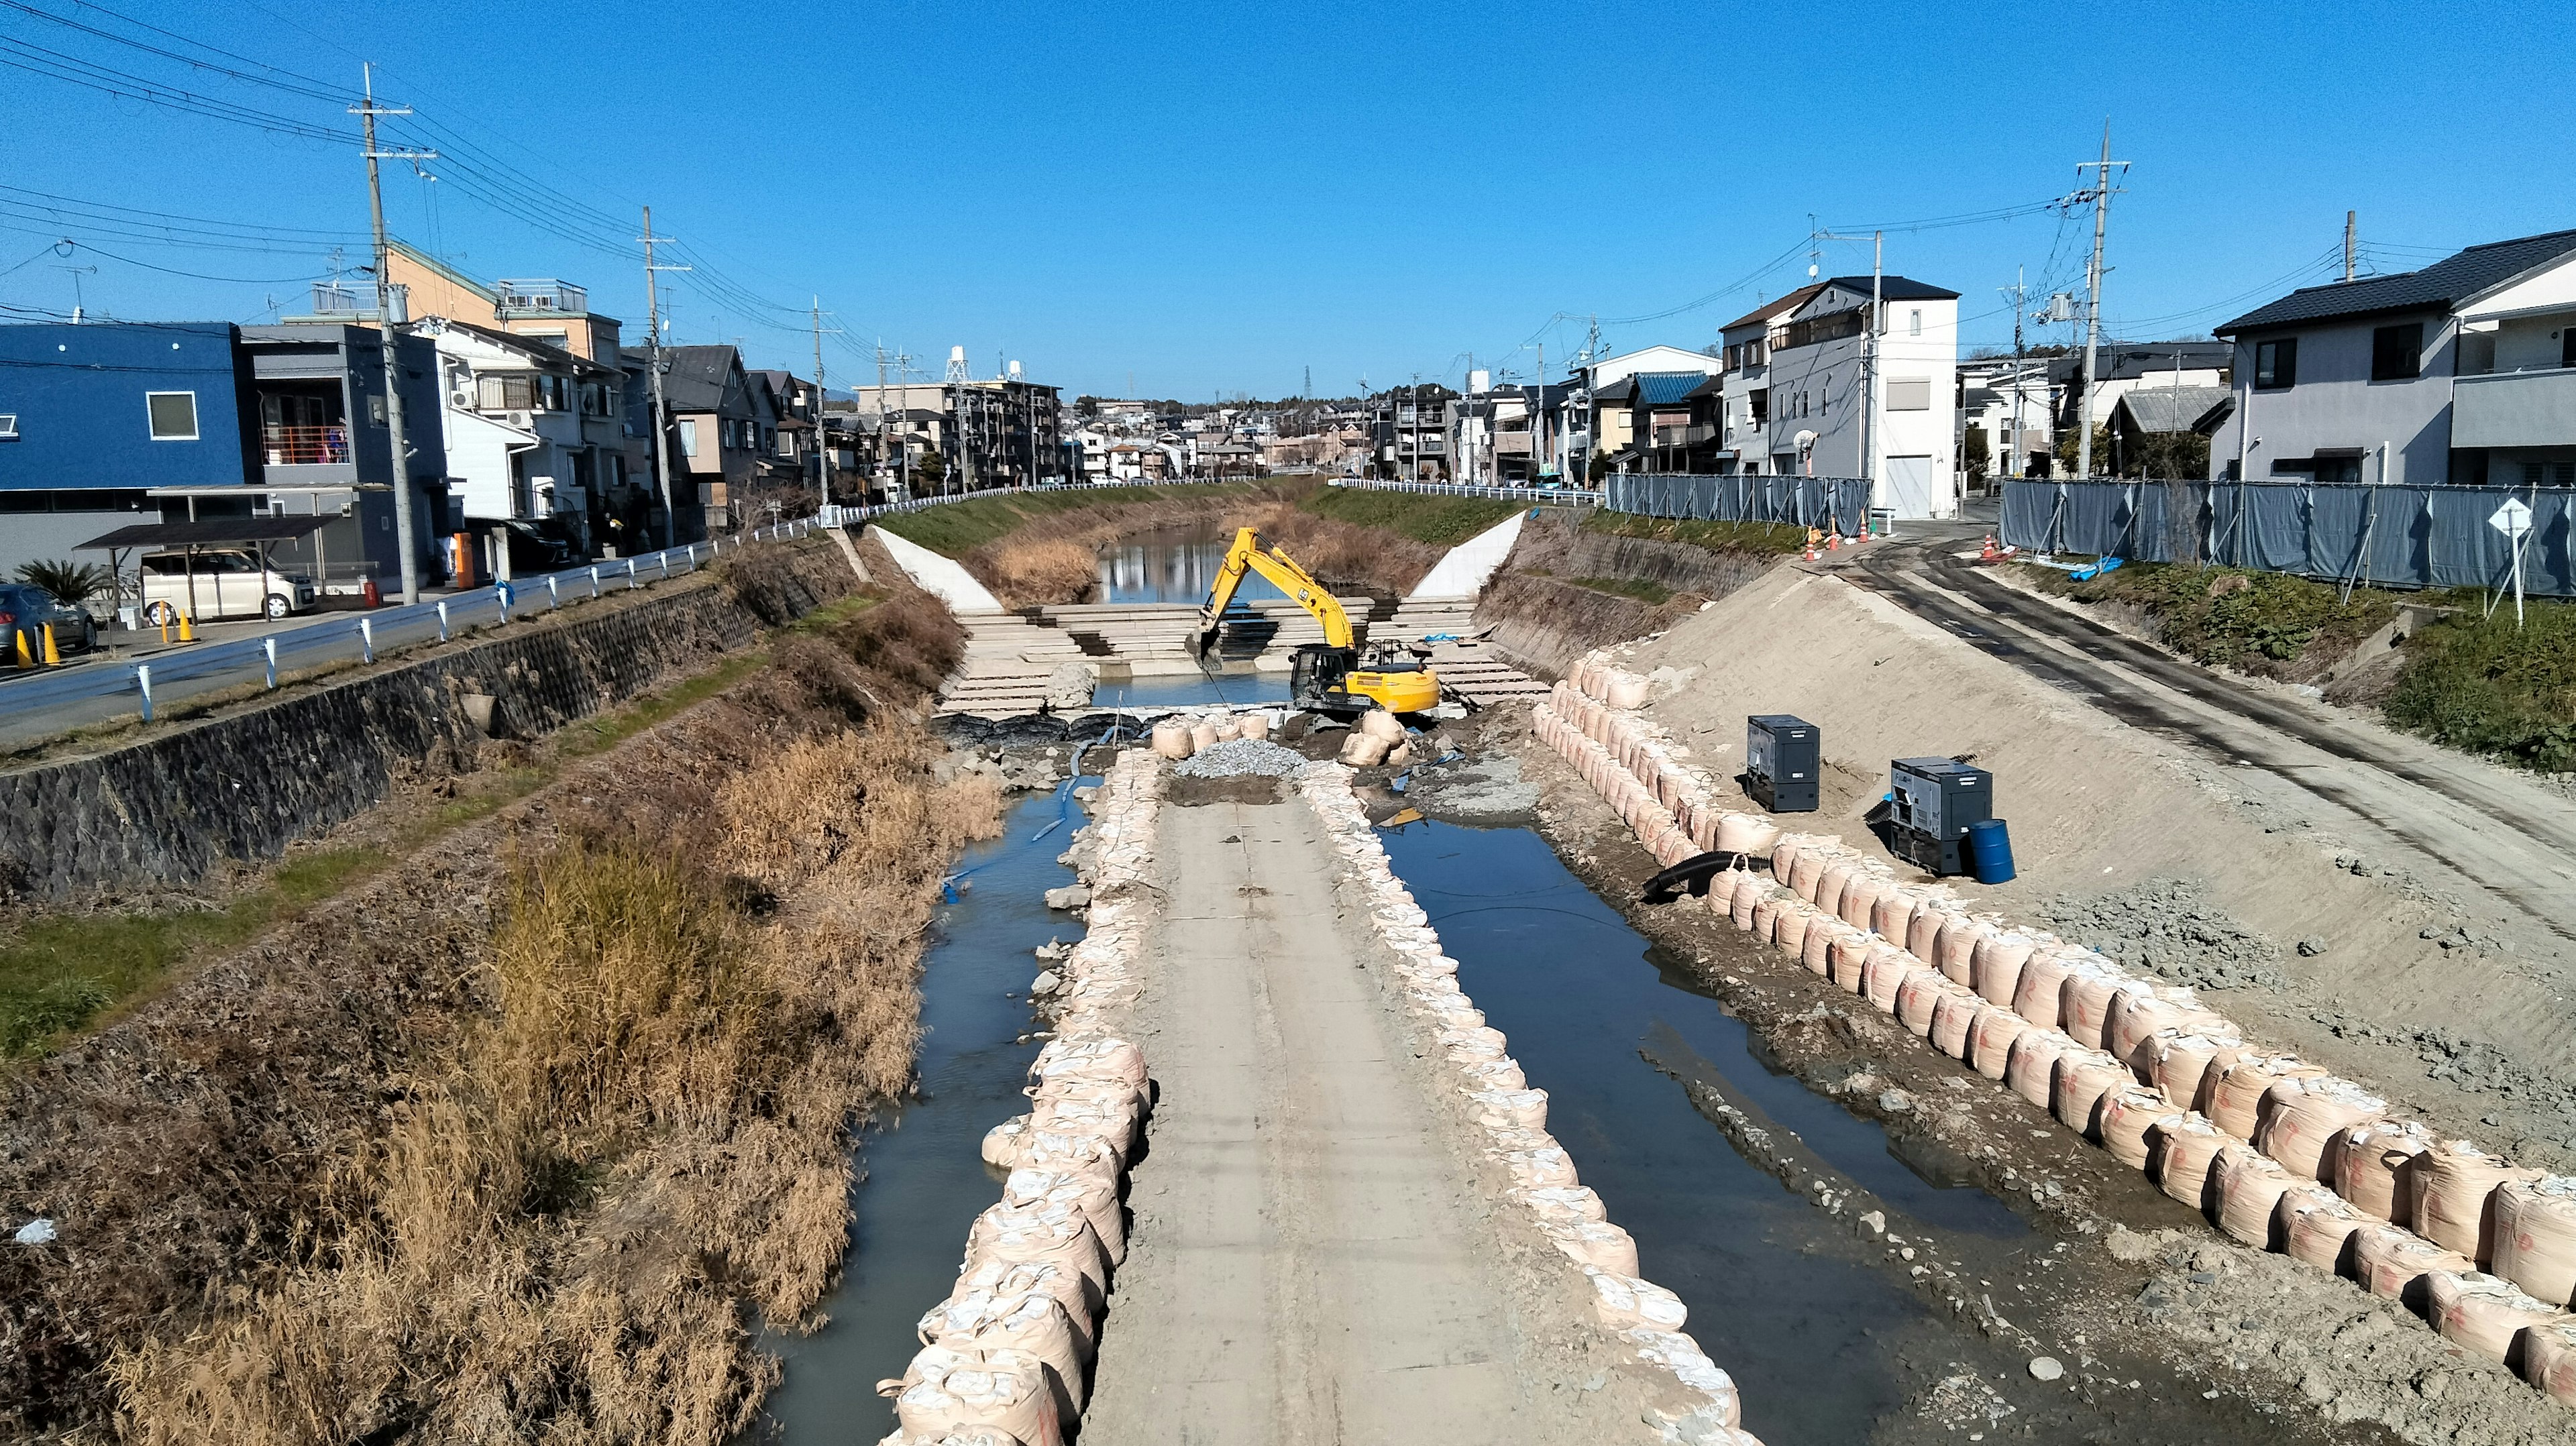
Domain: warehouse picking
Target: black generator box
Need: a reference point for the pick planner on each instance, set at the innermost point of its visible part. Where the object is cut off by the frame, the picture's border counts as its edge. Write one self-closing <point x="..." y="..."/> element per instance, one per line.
<point x="1783" y="757"/>
<point x="1931" y="802"/>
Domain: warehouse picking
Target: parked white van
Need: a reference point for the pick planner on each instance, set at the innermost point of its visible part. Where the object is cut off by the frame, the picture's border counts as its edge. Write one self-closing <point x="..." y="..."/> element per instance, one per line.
<point x="229" y="583"/>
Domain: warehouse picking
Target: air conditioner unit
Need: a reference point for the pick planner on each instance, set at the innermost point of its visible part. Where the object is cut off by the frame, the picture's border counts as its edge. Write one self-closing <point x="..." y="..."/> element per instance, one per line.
<point x="518" y="419"/>
<point x="462" y="399"/>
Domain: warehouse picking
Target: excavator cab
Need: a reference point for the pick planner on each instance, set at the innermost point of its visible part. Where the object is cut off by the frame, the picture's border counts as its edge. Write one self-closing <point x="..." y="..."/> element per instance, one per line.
<point x="1332" y="676"/>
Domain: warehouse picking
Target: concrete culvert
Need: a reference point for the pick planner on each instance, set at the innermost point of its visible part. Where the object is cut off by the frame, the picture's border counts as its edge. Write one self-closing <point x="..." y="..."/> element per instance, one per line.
<point x="2454" y="1185"/>
<point x="2535" y="1237"/>
<point x="2484" y="1314"/>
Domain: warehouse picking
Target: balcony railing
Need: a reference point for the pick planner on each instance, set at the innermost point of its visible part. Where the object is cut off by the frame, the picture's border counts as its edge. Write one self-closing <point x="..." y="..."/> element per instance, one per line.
<point x="304" y="446"/>
<point x="2515" y="409"/>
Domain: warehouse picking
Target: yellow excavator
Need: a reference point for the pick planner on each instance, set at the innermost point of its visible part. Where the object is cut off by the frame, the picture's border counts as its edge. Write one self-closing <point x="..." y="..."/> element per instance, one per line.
<point x="1331" y="676"/>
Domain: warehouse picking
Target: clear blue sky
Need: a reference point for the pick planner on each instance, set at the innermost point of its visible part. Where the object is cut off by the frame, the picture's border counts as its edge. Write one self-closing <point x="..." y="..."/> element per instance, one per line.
<point x="1217" y="197"/>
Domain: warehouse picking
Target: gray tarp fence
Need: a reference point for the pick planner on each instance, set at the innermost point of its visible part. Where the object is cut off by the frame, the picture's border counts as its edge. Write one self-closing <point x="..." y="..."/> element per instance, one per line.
<point x="2389" y="536"/>
<point x="1835" y="504"/>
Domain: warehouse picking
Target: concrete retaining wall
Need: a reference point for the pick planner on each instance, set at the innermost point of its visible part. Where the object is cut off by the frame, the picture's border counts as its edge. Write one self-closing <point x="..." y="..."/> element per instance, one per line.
<point x="173" y="806"/>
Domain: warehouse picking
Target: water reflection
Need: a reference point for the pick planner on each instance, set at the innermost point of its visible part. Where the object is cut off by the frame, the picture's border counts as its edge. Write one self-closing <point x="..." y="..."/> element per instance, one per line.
<point x="1174" y="565"/>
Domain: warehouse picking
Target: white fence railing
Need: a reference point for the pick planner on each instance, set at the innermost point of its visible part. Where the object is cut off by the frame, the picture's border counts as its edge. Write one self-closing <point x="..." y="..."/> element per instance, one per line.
<point x="1560" y="496"/>
<point x="36" y="705"/>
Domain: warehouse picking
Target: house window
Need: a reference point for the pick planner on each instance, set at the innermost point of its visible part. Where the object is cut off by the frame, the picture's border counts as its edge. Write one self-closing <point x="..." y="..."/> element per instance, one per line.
<point x="8" y="426"/>
<point x="1914" y="322"/>
<point x="2276" y="363"/>
<point x="376" y="410"/>
<point x="688" y="436"/>
<point x="1909" y="394"/>
<point x="173" y="415"/>
<point x="2567" y="347"/>
<point x="2397" y="353"/>
<point x="507" y="392"/>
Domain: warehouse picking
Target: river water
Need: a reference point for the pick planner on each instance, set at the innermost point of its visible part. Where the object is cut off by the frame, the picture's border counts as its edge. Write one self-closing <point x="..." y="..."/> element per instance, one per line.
<point x="1173" y="565"/>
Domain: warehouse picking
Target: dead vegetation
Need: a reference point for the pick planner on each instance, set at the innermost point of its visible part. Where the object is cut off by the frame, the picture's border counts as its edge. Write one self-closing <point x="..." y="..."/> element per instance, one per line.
<point x="508" y="1144"/>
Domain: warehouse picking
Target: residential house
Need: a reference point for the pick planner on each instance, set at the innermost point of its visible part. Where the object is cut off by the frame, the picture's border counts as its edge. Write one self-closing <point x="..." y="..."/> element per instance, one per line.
<point x="2462" y="372"/>
<point x="2164" y="431"/>
<point x="1607" y="424"/>
<point x="107" y="424"/>
<point x="2011" y="405"/>
<point x="543" y="309"/>
<point x="534" y="432"/>
<point x="1409" y="433"/>
<point x="1822" y="413"/>
<point x="714" y="436"/>
<point x="997" y="432"/>
<point x="1668" y="419"/>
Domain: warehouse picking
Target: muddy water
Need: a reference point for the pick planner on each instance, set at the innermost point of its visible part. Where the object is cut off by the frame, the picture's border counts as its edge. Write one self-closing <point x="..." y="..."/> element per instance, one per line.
<point x="1669" y="1110"/>
<point x="1172" y="565"/>
<point x="925" y="1179"/>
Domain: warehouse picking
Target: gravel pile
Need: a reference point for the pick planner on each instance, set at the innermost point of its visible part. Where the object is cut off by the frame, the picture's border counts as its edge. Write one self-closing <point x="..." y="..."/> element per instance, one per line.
<point x="1240" y="758"/>
<point x="2173" y="928"/>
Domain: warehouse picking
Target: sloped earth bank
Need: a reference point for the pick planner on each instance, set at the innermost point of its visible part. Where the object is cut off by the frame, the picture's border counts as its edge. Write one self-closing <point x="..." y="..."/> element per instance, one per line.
<point x="2119" y="1284"/>
<point x="1543" y="619"/>
<point x="511" y="1141"/>
<point x="2378" y="960"/>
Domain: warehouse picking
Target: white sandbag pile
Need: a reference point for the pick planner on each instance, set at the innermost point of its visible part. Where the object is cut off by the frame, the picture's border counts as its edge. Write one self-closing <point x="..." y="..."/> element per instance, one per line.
<point x="1495" y="1095"/>
<point x="1006" y="1358"/>
<point x="2280" y="1154"/>
<point x="1183" y="734"/>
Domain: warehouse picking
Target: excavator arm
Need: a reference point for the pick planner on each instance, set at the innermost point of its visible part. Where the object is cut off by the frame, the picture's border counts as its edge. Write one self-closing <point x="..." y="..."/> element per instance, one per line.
<point x="1248" y="555"/>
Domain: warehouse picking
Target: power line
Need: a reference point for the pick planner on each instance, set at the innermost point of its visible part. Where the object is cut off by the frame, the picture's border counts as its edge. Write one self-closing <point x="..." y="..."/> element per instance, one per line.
<point x="312" y="90"/>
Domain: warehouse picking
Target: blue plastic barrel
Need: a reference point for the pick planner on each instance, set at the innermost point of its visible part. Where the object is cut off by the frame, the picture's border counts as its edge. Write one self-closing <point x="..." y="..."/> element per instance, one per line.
<point x="1990" y="852"/>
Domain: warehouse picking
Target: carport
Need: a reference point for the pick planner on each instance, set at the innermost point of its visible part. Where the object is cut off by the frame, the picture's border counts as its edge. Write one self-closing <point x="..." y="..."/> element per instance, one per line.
<point x="256" y="533"/>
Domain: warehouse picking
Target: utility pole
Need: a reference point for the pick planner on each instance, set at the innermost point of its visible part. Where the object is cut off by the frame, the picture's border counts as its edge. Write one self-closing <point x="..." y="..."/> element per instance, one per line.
<point x="2349" y="217"/>
<point x="405" y="527"/>
<point x="822" y="446"/>
<point x="2101" y="199"/>
<point x="2018" y="301"/>
<point x="1870" y="366"/>
<point x="653" y="368"/>
<point x="1539" y="455"/>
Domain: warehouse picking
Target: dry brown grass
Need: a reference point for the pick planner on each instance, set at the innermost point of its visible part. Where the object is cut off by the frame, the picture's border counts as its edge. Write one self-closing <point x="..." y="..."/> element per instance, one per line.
<point x="577" y="1193"/>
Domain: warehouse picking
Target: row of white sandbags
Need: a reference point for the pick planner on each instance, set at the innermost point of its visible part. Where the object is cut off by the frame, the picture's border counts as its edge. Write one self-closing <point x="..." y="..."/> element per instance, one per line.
<point x="1647" y="1318"/>
<point x="1006" y="1359"/>
<point x="2167" y="1085"/>
<point x="1181" y="735"/>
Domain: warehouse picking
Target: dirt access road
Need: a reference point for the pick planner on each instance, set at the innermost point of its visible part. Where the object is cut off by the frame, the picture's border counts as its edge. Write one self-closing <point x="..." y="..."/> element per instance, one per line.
<point x="2478" y="832"/>
<point x="1309" y="1260"/>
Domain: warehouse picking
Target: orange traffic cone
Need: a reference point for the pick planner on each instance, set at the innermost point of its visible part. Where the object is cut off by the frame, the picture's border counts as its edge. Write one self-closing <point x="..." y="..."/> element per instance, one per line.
<point x="25" y="658"/>
<point x="187" y="628"/>
<point x="53" y="656"/>
<point x="1990" y="552"/>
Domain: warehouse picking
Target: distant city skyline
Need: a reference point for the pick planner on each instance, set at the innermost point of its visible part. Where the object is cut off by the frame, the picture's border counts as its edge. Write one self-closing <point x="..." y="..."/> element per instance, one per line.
<point x="1228" y="198"/>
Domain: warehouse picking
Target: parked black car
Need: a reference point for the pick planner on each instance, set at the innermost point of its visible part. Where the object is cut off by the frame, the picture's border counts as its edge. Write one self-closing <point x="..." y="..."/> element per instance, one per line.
<point x="26" y="610"/>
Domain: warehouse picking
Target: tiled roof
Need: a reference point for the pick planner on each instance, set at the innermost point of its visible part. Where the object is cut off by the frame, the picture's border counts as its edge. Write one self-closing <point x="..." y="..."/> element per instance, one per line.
<point x="2174" y="409"/>
<point x="2446" y="281"/>
<point x="1659" y="389"/>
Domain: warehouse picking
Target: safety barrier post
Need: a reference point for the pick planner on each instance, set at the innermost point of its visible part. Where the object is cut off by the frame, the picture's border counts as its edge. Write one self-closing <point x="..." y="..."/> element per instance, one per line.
<point x="632" y="581"/>
<point x="143" y="683"/>
<point x="666" y="564"/>
<point x="594" y="580"/>
<point x="269" y="647"/>
<point x="367" y="639"/>
<point x="442" y="620"/>
<point x="554" y="595"/>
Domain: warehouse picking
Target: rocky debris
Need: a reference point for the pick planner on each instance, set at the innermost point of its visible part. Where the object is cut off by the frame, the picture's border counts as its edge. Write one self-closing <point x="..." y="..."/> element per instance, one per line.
<point x="1070" y="685"/>
<point x="2046" y="1368"/>
<point x="1046" y="983"/>
<point x="1485" y="787"/>
<point x="1071" y="896"/>
<point x="2173" y="928"/>
<point x="1241" y="758"/>
<point x="1052" y="949"/>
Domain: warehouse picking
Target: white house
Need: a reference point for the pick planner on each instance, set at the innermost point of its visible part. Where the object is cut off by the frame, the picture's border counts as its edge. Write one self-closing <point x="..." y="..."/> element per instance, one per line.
<point x="1607" y="428"/>
<point x="1821" y="411"/>
<point x="530" y="427"/>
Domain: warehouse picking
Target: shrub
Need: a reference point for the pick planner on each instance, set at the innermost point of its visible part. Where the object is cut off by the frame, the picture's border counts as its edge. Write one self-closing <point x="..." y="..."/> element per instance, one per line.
<point x="2482" y="684"/>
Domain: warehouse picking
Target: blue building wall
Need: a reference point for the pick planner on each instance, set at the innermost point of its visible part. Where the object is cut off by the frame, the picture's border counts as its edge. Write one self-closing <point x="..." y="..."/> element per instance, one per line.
<point x="78" y="393"/>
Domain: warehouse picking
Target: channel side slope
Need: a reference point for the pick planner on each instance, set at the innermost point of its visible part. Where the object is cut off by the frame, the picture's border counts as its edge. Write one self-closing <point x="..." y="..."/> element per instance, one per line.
<point x="2100" y="801"/>
<point x="1304" y="1261"/>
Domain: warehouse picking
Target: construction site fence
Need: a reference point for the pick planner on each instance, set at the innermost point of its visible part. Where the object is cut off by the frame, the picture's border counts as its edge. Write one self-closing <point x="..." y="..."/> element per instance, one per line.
<point x="1555" y="496"/>
<point x="2395" y="535"/>
<point x="1830" y="504"/>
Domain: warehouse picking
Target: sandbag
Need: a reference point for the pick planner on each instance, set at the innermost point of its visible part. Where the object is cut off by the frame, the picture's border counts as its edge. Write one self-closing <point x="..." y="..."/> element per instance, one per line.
<point x="2236" y="1100"/>
<point x="1360" y="750"/>
<point x="1884" y="972"/>
<point x="2126" y="1116"/>
<point x="1073" y="1155"/>
<point x="1524" y="1108"/>
<point x="1228" y="728"/>
<point x="1789" y="927"/>
<point x="1564" y="1202"/>
<point x="1032" y="1321"/>
<point x="947" y="1391"/>
<point x="1533" y="1169"/>
<point x="1995" y="965"/>
<point x="1491" y="1074"/>
<point x="2317" y="1227"/>
<point x="1750" y="890"/>
<point x="2181" y="1066"/>
<point x="1051" y="1233"/>
<point x="1172" y="739"/>
<point x="2185" y="1149"/>
<point x="1624" y="690"/>
<point x="1744" y="833"/>
<point x="1006" y="1145"/>
<point x="1956" y="947"/>
<point x="1891" y="916"/>
<point x="1823" y="932"/>
<point x="2308" y="1117"/>
<point x="1923" y="936"/>
<point x="2248" y="1186"/>
<point x="2535" y="1237"/>
<point x="2031" y="1069"/>
<point x="2454" y="1185"/>
<point x="2038" y="993"/>
<point x="1095" y="1195"/>
<point x="2145" y="1012"/>
<point x="1846" y="956"/>
<point x="1596" y="1243"/>
<point x="2395" y="1264"/>
<point x="1012" y="1279"/>
<point x="2084" y="1076"/>
<point x="1915" y="998"/>
<point x="1990" y="1039"/>
<point x="1623" y="1302"/>
<point x="2549" y="1360"/>
<point x="1202" y="736"/>
<point x="1379" y="723"/>
<point x="1861" y="893"/>
<point x="1953" y="1015"/>
<point x="1112" y="1111"/>
<point x="1806" y="870"/>
<point x="2480" y="1313"/>
<point x="1255" y="726"/>
<point x="2084" y="1002"/>
<point x="1092" y="1058"/>
<point x="2373" y="1164"/>
<point x="1766" y="916"/>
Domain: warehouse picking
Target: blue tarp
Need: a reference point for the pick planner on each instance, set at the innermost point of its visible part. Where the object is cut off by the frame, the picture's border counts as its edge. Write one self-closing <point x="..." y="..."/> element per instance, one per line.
<point x="1834" y="504"/>
<point x="2390" y="536"/>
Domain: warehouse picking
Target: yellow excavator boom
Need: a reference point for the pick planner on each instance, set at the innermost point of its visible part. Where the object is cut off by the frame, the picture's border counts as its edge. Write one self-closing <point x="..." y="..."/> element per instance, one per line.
<point x="1247" y="555"/>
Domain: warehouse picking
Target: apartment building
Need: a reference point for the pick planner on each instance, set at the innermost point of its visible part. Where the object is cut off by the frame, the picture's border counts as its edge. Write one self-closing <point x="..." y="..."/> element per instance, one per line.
<point x="1800" y="396"/>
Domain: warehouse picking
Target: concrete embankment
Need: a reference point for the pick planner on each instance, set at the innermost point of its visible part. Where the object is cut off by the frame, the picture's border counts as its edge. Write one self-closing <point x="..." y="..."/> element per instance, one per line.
<point x="239" y="786"/>
<point x="2278" y="1153"/>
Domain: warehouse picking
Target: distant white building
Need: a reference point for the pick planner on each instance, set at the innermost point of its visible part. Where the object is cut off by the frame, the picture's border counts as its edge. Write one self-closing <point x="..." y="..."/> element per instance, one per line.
<point x="1606" y="428"/>
<point x="1809" y="403"/>
<point x="532" y="429"/>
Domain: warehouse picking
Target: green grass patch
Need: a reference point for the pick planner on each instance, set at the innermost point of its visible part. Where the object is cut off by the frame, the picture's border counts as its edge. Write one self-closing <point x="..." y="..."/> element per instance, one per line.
<point x="2262" y="622"/>
<point x="1643" y="590"/>
<point x="59" y="975"/>
<point x="954" y="529"/>
<point x="1767" y="539"/>
<point x="2483" y="685"/>
<point x="1439" y="521"/>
